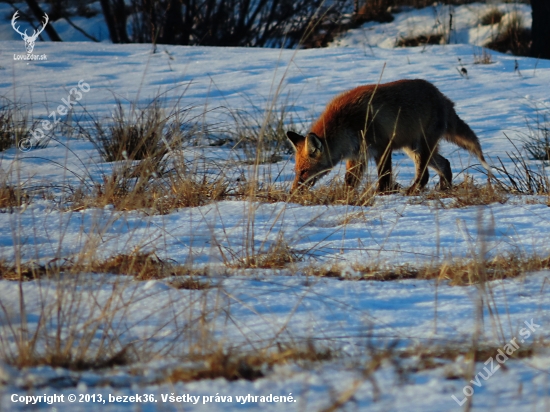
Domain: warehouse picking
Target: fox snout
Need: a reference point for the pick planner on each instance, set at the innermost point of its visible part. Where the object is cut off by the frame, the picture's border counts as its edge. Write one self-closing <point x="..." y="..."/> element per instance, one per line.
<point x="303" y="181"/>
<point x="310" y="159"/>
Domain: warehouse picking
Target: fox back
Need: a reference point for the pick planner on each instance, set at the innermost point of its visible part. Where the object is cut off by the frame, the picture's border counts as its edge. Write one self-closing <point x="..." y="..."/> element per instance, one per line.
<point x="374" y="120"/>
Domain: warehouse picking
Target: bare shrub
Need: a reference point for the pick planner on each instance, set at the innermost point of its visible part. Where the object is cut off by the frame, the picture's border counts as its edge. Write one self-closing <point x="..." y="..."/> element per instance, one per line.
<point x="493" y="16"/>
<point x="273" y="23"/>
<point x="377" y="10"/>
<point x="512" y="37"/>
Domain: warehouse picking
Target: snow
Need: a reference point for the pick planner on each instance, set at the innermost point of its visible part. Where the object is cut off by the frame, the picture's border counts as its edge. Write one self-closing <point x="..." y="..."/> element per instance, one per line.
<point x="248" y="309"/>
<point x="466" y="25"/>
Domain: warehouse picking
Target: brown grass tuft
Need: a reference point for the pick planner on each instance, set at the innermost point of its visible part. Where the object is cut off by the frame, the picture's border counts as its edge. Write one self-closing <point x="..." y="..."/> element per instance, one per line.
<point x="432" y="357"/>
<point x="458" y="273"/>
<point x="420" y="40"/>
<point x="11" y="197"/>
<point x="278" y="256"/>
<point x="484" y="58"/>
<point x="464" y="194"/>
<point x="493" y="16"/>
<point x="68" y="360"/>
<point x="183" y="188"/>
<point x="27" y="271"/>
<point x="248" y="366"/>
<point x="189" y="283"/>
<point x="141" y="265"/>
<point x="130" y="192"/>
<point x="335" y="193"/>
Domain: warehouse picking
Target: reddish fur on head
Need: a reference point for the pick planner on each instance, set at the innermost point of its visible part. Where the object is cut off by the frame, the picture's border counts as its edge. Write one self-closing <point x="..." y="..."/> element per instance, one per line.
<point x="310" y="159"/>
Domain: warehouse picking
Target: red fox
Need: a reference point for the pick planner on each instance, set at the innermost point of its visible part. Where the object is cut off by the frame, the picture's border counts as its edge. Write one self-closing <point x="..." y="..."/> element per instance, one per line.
<point x="374" y="120"/>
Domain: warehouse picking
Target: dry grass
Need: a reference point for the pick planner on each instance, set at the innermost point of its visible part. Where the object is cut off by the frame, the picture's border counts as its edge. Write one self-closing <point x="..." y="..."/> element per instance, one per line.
<point x="7" y="135"/>
<point x="261" y="132"/>
<point x="158" y="196"/>
<point x="521" y="178"/>
<point x="138" y="133"/>
<point x="67" y="359"/>
<point x="457" y="273"/>
<point x="249" y="366"/>
<point x="11" y="197"/>
<point x="15" y="125"/>
<point x="140" y="265"/>
<point x="146" y="266"/>
<point x="190" y="283"/>
<point x="537" y="140"/>
<point x="186" y="188"/>
<point x="27" y="271"/>
<point x="278" y="255"/>
<point x="79" y="325"/>
<point x="466" y="193"/>
<point x="426" y="357"/>
<point x="484" y="58"/>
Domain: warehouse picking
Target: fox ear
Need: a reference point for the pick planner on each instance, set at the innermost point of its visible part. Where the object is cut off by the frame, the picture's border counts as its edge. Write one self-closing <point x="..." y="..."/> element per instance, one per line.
<point x="313" y="144"/>
<point x="294" y="138"/>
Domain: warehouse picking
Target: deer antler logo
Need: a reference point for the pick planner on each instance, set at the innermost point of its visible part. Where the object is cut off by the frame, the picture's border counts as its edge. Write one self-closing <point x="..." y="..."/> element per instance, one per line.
<point x="29" y="40"/>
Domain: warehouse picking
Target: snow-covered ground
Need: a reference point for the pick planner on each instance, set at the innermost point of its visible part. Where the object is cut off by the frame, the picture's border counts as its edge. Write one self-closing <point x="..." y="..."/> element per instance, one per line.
<point x="465" y="25"/>
<point x="249" y="309"/>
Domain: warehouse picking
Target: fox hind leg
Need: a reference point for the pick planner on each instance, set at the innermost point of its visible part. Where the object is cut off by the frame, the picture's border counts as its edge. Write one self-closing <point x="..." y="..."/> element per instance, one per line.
<point x="383" y="164"/>
<point x="422" y="157"/>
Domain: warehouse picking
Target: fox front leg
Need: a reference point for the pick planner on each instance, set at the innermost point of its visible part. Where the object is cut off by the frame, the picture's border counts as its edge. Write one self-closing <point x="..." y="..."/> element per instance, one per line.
<point x="354" y="172"/>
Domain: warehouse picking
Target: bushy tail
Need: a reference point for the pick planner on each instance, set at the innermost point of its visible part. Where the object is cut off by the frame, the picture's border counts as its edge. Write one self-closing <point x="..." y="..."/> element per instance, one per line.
<point x="465" y="138"/>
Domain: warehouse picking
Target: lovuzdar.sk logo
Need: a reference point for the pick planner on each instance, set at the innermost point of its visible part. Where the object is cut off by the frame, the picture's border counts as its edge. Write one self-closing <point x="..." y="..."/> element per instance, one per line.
<point x="29" y="40"/>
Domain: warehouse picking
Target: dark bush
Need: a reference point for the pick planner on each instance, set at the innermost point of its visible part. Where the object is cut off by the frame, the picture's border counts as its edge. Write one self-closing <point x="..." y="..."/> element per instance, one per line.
<point x="262" y="23"/>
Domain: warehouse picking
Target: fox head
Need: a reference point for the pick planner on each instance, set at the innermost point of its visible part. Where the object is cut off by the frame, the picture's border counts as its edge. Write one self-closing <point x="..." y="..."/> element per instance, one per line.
<point x="312" y="159"/>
